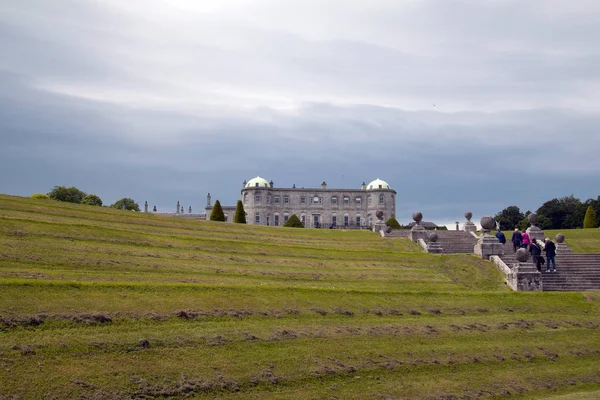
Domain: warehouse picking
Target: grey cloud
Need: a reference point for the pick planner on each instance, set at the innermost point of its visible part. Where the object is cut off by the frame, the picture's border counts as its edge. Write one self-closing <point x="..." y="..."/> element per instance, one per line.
<point x="188" y="103"/>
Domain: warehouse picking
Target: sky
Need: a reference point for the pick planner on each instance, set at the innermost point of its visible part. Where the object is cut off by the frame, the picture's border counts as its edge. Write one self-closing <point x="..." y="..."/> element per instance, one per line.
<point x="460" y="105"/>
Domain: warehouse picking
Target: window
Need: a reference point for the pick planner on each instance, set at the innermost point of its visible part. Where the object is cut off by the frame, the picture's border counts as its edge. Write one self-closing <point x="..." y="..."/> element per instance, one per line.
<point x="268" y="220"/>
<point x="285" y="218"/>
<point x="379" y="186"/>
<point x="256" y="184"/>
<point x="245" y="198"/>
<point x="276" y="220"/>
<point x="370" y="200"/>
<point x="257" y="198"/>
<point x="257" y="218"/>
<point x="286" y="200"/>
<point x="346" y="201"/>
<point x="302" y="200"/>
<point x="370" y="220"/>
<point x="334" y="201"/>
<point x="226" y="217"/>
<point x="334" y="220"/>
<point x="268" y="199"/>
<point x="358" y="220"/>
<point x="358" y="201"/>
<point x="381" y="198"/>
<point x="276" y="199"/>
<point x="316" y="199"/>
<point x="345" y="220"/>
<point x="303" y="218"/>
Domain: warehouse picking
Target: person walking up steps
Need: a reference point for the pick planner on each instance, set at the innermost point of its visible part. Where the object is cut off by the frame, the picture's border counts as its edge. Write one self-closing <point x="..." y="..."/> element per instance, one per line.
<point x="516" y="239"/>
<point x="550" y="249"/>
<point x="501" y="237"/>
<point x="536" y="254"/>
<point x="525" y="242"/>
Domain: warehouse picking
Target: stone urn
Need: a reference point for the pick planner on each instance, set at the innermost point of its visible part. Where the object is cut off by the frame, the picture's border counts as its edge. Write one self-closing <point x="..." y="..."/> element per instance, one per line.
<point x="522" y="255"/>
<point x="417" y="217"/>
<point x="469" y="225"/>
<point x="532" y="218"/>
<point x="487" y="224"/>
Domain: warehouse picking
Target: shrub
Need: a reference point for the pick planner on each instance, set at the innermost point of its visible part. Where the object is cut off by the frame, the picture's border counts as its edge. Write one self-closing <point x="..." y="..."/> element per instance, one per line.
<point x="70" y="195"/>
<point x="92" y="200"/>
<point x="40" y="196"/>
<point x="130" y="204"/>
<point x="293" y="222"/>
<point x="589" y="221"/>
<point x="217" y="213"/>
<point x="240" y="214"/>
<point x="393" y="223"/>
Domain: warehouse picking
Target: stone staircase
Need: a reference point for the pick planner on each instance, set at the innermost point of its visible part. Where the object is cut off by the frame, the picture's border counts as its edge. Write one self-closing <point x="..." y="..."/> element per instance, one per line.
<point x="576" y="272"/>
<point x="454" y="242"/>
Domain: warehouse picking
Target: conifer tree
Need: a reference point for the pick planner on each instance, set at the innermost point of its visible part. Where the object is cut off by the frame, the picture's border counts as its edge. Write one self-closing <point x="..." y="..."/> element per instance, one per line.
<point x="217" y="213"/>
<point x="293" y="222"/>
<point x="393" y="223"/>
<point x="589" y="221"/>
<point x="240" y="214"/>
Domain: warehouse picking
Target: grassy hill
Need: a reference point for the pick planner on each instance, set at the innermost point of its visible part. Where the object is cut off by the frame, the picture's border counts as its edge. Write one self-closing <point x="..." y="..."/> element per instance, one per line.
<point x="98" y="303"/>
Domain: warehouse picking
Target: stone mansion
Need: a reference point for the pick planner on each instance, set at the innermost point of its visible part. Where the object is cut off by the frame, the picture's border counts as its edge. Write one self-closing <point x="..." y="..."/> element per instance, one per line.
<point x="316" y="207"/>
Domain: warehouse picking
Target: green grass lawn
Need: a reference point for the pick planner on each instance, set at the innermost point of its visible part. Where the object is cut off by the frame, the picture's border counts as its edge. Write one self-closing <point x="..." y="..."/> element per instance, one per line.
<point x="98" y="303"/>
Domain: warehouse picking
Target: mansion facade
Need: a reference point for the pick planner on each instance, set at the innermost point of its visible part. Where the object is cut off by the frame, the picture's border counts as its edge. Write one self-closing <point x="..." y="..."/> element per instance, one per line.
<point x="317" y="207"/>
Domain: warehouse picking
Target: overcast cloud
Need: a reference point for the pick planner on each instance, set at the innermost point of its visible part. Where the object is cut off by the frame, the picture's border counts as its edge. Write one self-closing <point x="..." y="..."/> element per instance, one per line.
<point x="459" y="105"/>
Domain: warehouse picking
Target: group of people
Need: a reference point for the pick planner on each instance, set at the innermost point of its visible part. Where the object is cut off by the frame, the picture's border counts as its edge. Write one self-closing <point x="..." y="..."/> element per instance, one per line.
<point x="522" y="240"/>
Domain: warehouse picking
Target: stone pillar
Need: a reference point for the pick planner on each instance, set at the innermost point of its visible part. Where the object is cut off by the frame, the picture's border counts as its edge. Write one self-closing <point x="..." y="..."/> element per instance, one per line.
<point x="418" y="232"/>
<point x="561" y="246"/>
<point x="379" y="226"/>
<point x="487" y="244"/>
<point x="433" y="246"/>
<point x="146" y="206"/>
<point x="457" y="227"/>
<point x="525" y="277"/>
<point x="469" y="226"/>
<point x="178" y="207"/>
<point x="533" y="231"/>
<point x="190" y="210"/>
<point x="154" y="209"/>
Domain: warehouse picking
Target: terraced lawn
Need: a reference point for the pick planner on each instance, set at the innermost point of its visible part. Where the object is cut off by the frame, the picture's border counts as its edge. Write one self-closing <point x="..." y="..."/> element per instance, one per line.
<point x="97" y="303"/>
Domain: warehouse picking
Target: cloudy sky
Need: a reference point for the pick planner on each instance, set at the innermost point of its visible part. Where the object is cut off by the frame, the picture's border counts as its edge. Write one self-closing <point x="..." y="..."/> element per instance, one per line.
<point x="459" y="104"/>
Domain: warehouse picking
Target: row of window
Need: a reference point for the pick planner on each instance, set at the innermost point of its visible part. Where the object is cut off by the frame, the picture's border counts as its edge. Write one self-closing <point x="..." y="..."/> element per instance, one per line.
<point x="316" y="222"/>
<point x="314" y="200"/>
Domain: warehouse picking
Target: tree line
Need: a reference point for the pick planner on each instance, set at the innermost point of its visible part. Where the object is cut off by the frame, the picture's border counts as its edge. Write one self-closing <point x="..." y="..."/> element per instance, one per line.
<point x="559" y="213"/>
<point x="77" y="196"/>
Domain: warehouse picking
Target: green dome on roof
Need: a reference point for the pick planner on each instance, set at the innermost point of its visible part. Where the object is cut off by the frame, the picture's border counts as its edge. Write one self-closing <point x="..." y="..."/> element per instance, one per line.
<point x="378" y="184"/>
<point x="257" y="182"/>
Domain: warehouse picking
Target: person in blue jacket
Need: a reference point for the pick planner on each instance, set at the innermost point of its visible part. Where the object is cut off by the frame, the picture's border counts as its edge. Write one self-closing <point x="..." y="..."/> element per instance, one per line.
<point x="501" y="237"/>
<point x="550" y="249"/>
<point x="516" y="239"/>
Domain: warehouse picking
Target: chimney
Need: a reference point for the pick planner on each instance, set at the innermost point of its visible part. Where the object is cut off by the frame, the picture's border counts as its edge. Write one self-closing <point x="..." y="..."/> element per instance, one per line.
<point x="208" y="199"/>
